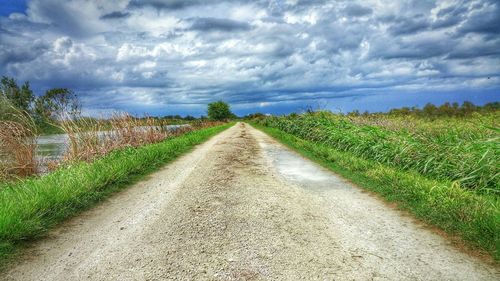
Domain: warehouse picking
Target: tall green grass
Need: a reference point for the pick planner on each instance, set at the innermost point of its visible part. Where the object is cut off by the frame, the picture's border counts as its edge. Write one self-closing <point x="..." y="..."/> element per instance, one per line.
<point x="465" y="151"/>
<point x="30" y="207"/>
<point x="458" y="211"/>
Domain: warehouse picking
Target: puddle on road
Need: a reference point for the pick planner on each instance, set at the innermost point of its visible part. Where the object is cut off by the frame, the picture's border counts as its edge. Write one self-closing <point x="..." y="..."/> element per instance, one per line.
<point x="302" y="171"/>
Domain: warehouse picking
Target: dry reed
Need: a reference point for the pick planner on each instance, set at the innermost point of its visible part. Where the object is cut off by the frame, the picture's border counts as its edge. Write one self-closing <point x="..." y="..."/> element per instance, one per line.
<point x="88" y="139"/>
<point x="17" y="146"/>
<point x="91" y="138"/>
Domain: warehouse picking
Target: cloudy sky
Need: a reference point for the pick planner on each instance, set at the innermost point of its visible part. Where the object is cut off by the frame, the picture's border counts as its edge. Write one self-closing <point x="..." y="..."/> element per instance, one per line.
<point x="274" y="56"/>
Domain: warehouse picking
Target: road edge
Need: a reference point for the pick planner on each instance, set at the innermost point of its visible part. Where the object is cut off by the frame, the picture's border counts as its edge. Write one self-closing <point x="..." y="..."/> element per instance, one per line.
<point x="88" y="185"/>
<point x="364" y="182"/>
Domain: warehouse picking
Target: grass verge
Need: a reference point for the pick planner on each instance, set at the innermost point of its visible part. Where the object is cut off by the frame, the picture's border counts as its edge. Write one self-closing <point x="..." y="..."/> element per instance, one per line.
<point x="473" y="217"/>
<point x="461" y="150"/>
<point x="30" y="207"/>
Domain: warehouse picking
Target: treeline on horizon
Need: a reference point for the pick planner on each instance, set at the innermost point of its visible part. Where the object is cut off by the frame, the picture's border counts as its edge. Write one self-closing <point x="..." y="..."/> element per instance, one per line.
<point x="445" y="110"/>
<point x="46" y="109"/>
<point x="430" y="110"/>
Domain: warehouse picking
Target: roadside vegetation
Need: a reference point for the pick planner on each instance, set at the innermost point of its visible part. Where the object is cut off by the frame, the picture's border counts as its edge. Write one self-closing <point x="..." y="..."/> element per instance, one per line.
<point x="102" y="155"/>
<point x="88" y="139"/>
<point x="443" y="167"/>
<point x="28" y="208"/>
<point x="24" y="117"/>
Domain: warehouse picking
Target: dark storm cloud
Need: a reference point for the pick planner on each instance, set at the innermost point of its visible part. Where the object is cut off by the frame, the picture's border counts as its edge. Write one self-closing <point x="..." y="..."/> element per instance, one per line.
<point x="19" y="25"/>
<point x="357" y="10"/>
<point x="450" y="16"/>
<point x="403" y="26"/>
<point x="22" y="54"/>
<point x="487" y="48"/>
<point x="60" y="17"/>
<point x="168" y="4"/>
<point x="210" y="24"/>
<point x="135" y="55"/>
<point x="483" y="19"/>
<point x="116" y="15"/>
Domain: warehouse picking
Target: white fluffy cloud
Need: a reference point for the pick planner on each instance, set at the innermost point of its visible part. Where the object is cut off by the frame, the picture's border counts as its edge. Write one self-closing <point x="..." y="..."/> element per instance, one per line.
<point x="142" y="55"/>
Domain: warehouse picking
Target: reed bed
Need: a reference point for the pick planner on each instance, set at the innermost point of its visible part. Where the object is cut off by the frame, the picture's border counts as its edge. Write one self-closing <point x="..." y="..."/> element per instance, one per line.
<point x="17" y="150"/>
<point x="463" y="150"/>
<point x="17" y="146"/>
<point x="89" y="139"/>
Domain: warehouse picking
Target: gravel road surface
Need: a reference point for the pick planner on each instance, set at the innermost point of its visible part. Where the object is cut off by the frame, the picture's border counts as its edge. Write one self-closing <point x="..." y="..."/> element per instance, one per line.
<point x="243" y="207"/>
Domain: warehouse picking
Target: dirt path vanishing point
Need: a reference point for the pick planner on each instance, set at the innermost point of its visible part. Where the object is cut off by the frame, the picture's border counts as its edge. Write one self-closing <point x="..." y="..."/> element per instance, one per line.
<point x="242" y="207"/>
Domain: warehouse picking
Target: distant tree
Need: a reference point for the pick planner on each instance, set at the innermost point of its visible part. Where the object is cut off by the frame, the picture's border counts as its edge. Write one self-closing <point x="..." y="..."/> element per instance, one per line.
<point x="445" y="109"/>
<point x="492" y="106"/>
<point x="354" y="113"/>
<point x="20" y="97"/>
<point x="400" y="111"/>
<point x="189" y="118"/>
<point x="429" y="110"/>
<point x="57" y="103"/>
<point x="468" y="107"/>
<point x="219" y="111"/>
<point x="254" y="116"/>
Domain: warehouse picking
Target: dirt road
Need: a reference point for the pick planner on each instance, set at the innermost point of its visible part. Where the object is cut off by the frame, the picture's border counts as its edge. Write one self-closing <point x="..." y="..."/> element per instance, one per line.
<point x="242" y="207"/>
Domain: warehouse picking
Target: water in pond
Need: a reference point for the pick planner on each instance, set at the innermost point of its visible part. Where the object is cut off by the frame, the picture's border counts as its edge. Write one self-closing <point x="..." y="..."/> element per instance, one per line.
<point x="53" y="147"/>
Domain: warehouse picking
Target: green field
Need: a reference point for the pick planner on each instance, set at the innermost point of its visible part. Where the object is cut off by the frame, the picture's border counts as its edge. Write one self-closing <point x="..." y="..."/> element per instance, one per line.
<point x="28" y="208"/>
<point x="444" y="170"/>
